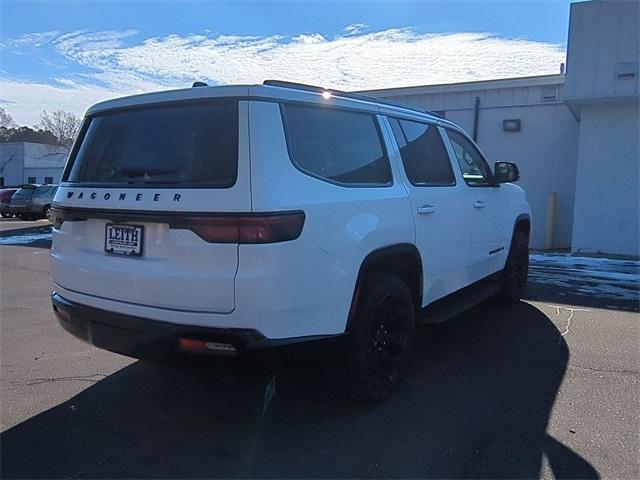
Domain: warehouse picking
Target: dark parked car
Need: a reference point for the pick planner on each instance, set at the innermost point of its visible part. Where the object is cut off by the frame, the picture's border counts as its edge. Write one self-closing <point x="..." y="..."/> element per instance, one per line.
<point x="41" y="201"/>
<point x="5" y="201"/>
<point x="20" y="201"/>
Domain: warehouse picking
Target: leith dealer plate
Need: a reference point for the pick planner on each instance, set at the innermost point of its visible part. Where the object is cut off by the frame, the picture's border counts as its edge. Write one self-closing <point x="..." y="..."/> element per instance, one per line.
<point x="123" y="239"/>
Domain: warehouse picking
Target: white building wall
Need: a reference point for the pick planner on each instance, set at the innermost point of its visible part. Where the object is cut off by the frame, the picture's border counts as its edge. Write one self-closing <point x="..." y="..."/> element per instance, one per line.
<point x="11" y="163"/>
<point x="545" y="151"/>
<point x="603" y="45"/>
<point x="41" y="160"/>
<point x="41" y="173"/>
<point x="21" y="160"/>
<point x="602" y="92"/>
<point x="607" y="184"/>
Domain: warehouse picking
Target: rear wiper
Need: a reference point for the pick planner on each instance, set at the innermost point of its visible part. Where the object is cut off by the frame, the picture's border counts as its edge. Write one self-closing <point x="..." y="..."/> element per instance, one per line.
<point x="146" y="172"/>
<point x="152" y="182"/>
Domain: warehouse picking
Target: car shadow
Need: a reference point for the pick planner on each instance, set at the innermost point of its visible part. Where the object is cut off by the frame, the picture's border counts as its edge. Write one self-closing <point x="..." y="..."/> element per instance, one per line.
<point x="475" y="404"/>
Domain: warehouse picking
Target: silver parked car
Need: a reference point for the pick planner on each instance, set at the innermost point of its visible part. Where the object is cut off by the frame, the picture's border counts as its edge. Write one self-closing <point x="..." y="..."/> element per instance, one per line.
<point x="41" y="201"/>
<point x="32" y="201"/>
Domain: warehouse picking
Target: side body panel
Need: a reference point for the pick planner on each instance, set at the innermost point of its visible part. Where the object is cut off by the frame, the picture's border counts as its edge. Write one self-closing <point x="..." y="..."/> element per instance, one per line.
<point x="310" y="290"/>
<point x="490" y="222"/>
<point x="443" y="231"/>
<point x="519" y="208"/>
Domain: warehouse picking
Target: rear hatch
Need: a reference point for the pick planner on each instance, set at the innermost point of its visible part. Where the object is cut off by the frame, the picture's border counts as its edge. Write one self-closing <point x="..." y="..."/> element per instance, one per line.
<point x="143" y="188"/>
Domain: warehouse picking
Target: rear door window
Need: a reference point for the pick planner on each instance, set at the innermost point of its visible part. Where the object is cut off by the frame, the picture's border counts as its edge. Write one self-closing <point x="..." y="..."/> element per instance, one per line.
<point x="182" y="145"/>
<point x="423" y="153"/>
<point x="339" y="146"/>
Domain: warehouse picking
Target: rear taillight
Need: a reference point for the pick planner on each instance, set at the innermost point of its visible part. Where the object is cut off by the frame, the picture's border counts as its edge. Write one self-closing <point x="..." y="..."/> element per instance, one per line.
<point x="201" y="346"/>
<point x="254" y="228"/>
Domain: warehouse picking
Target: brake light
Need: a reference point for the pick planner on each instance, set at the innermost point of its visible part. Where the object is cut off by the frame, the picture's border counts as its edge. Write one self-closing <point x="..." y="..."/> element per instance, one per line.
<point x="254" y="228"/>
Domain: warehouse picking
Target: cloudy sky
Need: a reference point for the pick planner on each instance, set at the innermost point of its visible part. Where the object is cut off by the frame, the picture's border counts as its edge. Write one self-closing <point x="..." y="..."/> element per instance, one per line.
<point x="69" y="55"/>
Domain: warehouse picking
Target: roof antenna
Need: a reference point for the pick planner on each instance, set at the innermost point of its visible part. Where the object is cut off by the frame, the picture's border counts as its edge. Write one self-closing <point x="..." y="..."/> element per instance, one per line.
<point x="199" y="84"/>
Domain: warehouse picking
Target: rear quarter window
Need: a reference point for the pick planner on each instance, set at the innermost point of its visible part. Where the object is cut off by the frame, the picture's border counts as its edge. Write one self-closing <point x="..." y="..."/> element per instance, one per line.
<point x="338" y="146"/>
<point x="182" y="145"/>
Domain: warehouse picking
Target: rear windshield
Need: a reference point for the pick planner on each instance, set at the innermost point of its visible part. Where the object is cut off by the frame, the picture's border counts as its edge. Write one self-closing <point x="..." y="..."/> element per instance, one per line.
<point x="181" y="144"/>
<point x="45" y="189"/>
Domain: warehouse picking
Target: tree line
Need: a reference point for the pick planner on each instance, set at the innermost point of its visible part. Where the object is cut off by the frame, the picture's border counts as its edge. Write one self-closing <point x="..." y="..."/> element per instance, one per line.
<point x="56" y="128"/>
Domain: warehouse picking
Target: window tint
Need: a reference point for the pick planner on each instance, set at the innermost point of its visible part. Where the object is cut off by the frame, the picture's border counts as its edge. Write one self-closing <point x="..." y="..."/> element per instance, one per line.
<point x="174" y="145"/>
<point x="475" y="169"/>
<point x="423" y="153"/>
<point x="336" y="145"/>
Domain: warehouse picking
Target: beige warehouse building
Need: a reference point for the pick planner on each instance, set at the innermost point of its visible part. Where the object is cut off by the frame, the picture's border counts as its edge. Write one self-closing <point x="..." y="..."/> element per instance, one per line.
<point x="575" y="136"/>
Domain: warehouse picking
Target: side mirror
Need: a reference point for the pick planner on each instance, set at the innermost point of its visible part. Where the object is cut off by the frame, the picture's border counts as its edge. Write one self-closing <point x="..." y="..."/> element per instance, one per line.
<point x="505" y="172"/>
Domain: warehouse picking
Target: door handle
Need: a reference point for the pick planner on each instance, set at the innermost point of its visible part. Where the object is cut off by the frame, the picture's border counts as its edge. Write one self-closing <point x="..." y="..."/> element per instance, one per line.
<point x="479" y="204"/>
<point x="426" y="209"/>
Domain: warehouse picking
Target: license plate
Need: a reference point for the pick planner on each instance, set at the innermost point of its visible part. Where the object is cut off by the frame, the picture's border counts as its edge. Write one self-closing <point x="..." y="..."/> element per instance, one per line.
<point x="123" y="239"/>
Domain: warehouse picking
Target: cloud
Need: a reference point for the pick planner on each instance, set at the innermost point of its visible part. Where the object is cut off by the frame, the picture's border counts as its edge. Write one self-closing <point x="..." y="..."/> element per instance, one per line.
<point x="25" y="100"/>
<point x="354" y="29"/>
<point x="112" y="63"/>
<point x="36" y="39"/>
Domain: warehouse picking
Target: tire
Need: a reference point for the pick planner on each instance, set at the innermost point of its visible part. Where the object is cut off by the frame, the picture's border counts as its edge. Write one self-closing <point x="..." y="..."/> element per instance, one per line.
<point x="514" y="275"/>
<point x="6" y="215"/>
<point x="382" y="338"/>
<point x="46" y="212"/>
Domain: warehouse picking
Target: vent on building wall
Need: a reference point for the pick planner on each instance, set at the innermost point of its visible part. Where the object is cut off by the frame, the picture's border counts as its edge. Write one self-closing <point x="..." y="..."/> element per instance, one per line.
<point x="626" y="70"/>
<point x="549" y="94"/>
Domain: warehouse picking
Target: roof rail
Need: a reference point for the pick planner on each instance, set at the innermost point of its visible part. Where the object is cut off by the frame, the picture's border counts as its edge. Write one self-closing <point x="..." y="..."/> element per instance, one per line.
<point x="342" y="93"/>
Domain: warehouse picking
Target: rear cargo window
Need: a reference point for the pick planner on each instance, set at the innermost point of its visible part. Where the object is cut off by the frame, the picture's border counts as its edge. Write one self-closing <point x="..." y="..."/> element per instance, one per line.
<point x="340" y="146"/>
<point x="180" y="144"/>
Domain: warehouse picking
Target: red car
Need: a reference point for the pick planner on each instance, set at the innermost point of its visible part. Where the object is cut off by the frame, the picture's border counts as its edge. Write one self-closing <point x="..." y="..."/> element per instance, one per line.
<point x="5" y="201"/>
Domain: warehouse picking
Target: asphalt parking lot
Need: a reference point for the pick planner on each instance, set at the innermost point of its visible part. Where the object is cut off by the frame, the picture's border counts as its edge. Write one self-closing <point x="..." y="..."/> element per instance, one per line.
<point x="545" y="388"/>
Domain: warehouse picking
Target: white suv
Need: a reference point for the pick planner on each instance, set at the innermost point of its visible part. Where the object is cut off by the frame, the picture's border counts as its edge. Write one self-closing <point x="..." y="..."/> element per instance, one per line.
<point x="225" y="220"/>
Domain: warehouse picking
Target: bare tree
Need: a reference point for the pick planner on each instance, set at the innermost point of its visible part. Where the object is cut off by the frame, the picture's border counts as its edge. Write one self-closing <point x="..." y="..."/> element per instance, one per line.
<point x="64" y="125"/>
<point x="6" y="120"/>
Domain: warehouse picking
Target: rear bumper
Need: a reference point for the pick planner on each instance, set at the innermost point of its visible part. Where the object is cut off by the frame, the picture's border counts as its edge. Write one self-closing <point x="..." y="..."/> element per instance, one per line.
<point x="143" y="338"/>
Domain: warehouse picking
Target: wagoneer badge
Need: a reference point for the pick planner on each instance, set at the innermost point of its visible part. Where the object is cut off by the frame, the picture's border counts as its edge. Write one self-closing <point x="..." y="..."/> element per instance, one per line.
<point x="139" y="196"/>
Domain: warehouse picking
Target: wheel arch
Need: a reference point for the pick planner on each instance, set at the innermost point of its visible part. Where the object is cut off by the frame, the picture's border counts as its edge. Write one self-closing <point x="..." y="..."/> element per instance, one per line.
<point x="402" y="259"/>
<point x="522" y="222"/>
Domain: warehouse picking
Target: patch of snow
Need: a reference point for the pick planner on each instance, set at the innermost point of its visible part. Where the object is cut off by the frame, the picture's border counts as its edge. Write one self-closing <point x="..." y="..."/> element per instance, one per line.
<point x="25" y="239"/>
<point x="601" y="277"/>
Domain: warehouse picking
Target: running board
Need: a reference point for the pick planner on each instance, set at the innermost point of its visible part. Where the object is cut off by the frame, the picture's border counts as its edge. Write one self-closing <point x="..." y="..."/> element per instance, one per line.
<point x="459" y="302"/>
